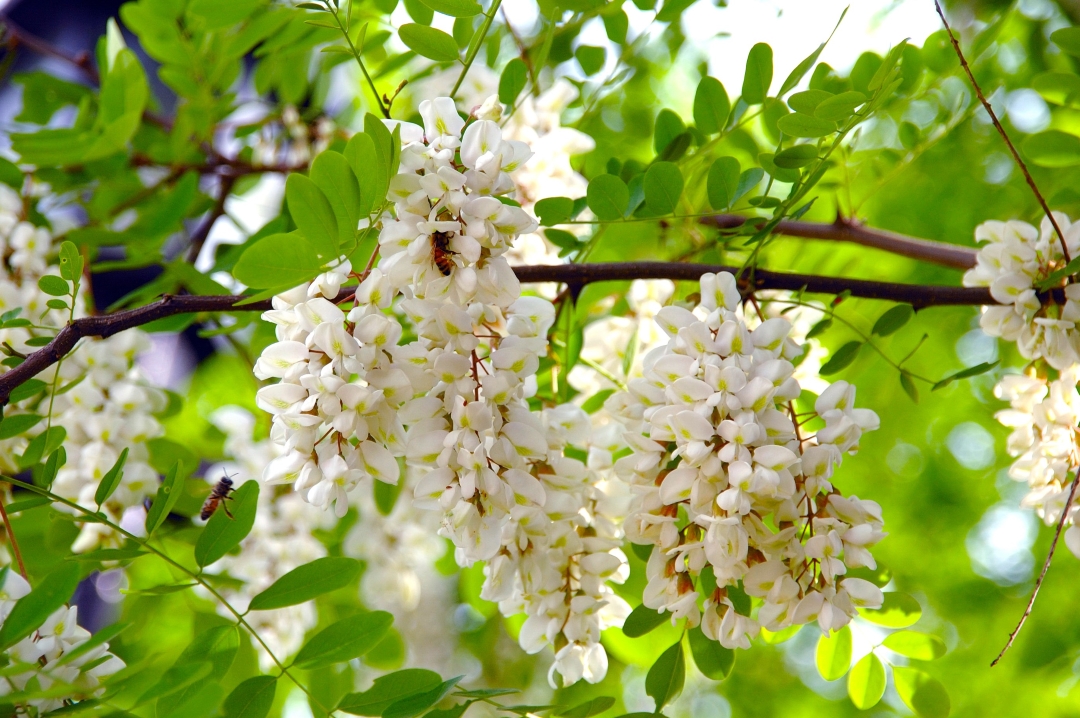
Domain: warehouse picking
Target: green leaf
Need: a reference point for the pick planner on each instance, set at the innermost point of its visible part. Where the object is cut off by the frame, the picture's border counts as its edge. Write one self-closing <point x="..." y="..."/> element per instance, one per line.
<point x="833" y="656"/>
<point x="1052" y="148"/>
<point x="668" y="126"/>
<point x="10" y="174"/>
<point x="795" y="157"/>
<point x="554" y="210"/>
<point x="428" y="42"/>
<point x="54" y="286"/>
<point x="711" y="106"/>
<point x="819" y="328"/>
<point x="713" y="660"/>
<point x="306" y="582"/>
<point x="71" y="262"/>
<point x="962" y="374"/>
<point x="218" y="645"/>
<point x="608" y="197"/>
<point x="29" y="388"/>
<point x="455" y="8"/>
<point x="389" y="689"/>
<point x="839" y="107"/>
<point x="31" y="610"/>
<point x="278" y="260"/>
<point x="372" y="175"/>
<point x="416" y="704"/>
<point x="1068" y="39"/>
<point x="588" y="709"/>
<point x="664" y="681"/>
<point x="331" y="173"/>
<point x="314" y="216"/>
<point x="663" y="187"/>
<point x="807" y="101"/>
<point x="220" y="14"/>
<point x="866" y="684"/>
<point x="251" y="699"/>
<point x="222" y="533"/>
<point x="758" y="75"/>
<point x="1057" y="275"/>
<point x="512" y="81"/>
<point x="920" y="646"/>
<point x="167" y="495"/>
<point x="591" y="58"/>
<point x="892" y="320"/>
<point x="899" y="610"/>
<point x="181" y="675"/>
<point x="841" y="358"/>
<point x="111" y="480"/>
<point x="642" y="620"/>
<point x="349" y="638"/>
<point x="748" y="180"/>
<point x="921" y="693"/>
<point x="19" y="423"/>
<point x="799" y="125"/>
<point x="908" y="385"/>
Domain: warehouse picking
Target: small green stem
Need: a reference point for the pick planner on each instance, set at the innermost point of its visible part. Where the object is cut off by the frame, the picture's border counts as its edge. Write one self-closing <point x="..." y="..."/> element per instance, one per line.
<point x="474" y="46"/>
<point x="356" y="54"/>
<point x="145" y="543"/>
<point x="831" y="313"/>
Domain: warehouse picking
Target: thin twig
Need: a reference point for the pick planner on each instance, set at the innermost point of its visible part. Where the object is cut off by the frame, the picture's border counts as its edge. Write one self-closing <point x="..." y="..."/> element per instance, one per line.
<point x="849" y="230"/>
<point x="11" y="537"/>
<point x="476" y="44"/>
<point x="198" y="239"/>
<point x="1045" y="568"/>
<point x="1004" y="135"/>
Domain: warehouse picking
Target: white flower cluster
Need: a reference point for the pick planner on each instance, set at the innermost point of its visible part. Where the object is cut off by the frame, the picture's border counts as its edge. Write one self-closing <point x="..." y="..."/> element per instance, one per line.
<point x="51" y="661"/>
<point x="1015" y="257"/>
<point x="561" y="549"/>
<point x="452" y="403"/>
<point x="729" y="478"/>
<point x="280" y="540"/>
<point x="107" y="404"/>
<point x="1044" y="411"/>
<point x="111" y="408"/>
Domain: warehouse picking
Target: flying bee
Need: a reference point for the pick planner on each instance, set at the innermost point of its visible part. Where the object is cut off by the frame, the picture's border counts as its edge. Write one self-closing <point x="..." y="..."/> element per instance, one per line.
<point x="218" y="495"/>
<point x="440" y="252"/>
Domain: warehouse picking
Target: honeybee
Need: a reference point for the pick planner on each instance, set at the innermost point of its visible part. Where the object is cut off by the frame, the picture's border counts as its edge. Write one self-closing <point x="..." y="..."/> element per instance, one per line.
<point x="440" y="252"/>
<point x="218" y="495"/>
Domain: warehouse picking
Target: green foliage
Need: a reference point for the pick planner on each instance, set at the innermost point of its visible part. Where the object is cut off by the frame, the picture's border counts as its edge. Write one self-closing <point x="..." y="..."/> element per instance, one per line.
<point x="31" y="610"/>
<point x="307" y="582"/>
<point x="224" y="532"/>
<point x="665" y="679"/>
<point x="866" y="684"/>
<point x="833" y="655"/>
<point x="344" y="640"/>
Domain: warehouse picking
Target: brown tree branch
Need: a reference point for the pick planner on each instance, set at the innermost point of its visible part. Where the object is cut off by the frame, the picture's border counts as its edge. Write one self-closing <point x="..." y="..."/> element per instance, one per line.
<point x="1003" y="133"/>
<point x="847" y="230"/>
<point x="919" y="296"/>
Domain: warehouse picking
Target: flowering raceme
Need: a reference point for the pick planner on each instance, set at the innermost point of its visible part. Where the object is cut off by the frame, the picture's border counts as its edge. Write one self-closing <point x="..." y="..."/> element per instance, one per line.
<point x="451" y="404"/>
<point x="1044" y="406"/>
<point x="731" y="487"/>
<point x="1015" y="257"/>
<point x="103" y="403"/>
